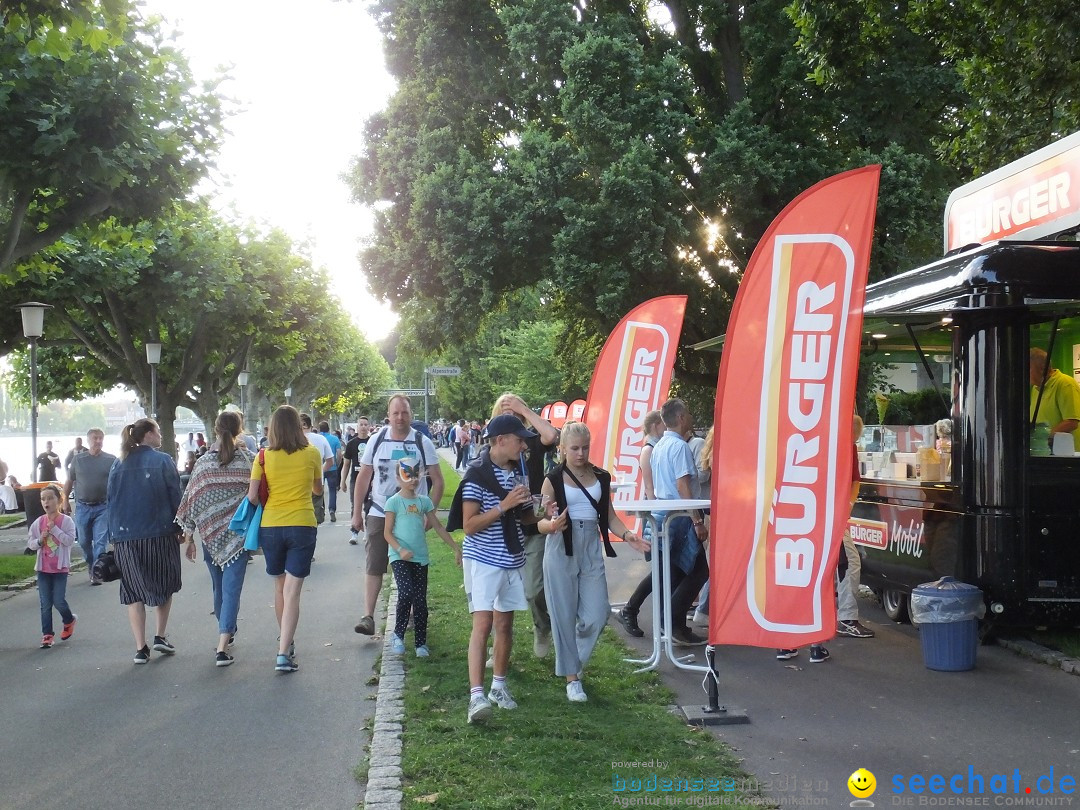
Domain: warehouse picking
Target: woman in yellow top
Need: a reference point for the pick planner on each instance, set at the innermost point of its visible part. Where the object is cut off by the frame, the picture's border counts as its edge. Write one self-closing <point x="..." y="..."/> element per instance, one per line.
<point x="293" y="470"/>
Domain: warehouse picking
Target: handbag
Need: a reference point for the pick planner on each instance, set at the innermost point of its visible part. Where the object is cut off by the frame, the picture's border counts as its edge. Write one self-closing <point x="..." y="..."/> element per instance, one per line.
<point x="105" y="567"/>
<point x="264" y="485"/>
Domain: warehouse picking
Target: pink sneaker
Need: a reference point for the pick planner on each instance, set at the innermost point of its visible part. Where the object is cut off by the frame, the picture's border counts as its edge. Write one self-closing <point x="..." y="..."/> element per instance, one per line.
<point x="46" y="641"/>
<point x="69" y="628"/>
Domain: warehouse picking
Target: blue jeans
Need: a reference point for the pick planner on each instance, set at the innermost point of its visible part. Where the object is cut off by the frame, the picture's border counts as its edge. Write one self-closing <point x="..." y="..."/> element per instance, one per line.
<point x="228" y="583"/>
<point x="333" y="481"/>
<point x="92" y="529"/>
<point x="52" y="591"/>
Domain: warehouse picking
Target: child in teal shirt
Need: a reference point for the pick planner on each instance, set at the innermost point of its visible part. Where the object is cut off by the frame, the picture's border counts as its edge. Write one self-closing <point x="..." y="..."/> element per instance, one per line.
<point x="408" y="518"/>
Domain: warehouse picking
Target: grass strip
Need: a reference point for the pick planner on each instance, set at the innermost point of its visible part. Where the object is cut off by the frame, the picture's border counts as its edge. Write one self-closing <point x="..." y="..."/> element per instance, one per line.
<point x="15" y="568"/>
<point x="547" y="753"/>
<point x="8" y="520"/>
<point x="1066" y="641"/>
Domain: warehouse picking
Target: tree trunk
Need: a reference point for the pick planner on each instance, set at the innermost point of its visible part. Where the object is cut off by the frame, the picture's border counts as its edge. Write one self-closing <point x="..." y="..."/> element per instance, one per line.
<point x="166" y="417"/>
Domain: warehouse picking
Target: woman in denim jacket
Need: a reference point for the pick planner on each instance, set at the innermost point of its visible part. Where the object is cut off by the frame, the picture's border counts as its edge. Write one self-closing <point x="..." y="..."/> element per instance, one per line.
<point x="144" y="493"/>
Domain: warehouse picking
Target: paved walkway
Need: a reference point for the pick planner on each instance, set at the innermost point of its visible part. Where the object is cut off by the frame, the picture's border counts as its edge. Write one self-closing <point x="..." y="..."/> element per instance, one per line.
<point x="85" y="727"/>
<point x="182" y="729"/>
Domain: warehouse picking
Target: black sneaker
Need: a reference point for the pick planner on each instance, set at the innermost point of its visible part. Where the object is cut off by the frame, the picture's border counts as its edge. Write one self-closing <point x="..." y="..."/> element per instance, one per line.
<point x="685" y="637"/>
<point x="785" y="655"/>
<point x="628" y="619"/>
<point x="223" y="659"/>
<point x="142" y="656"/>
<point x="818" y="654"/>
<point x="853" y="629"/>
<point x="162" y="645"/>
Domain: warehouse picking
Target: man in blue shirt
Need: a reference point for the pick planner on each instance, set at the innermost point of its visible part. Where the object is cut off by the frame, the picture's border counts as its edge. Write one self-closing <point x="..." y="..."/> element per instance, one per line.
<point x="333" y="474"/>
<point x="675" y="475"/>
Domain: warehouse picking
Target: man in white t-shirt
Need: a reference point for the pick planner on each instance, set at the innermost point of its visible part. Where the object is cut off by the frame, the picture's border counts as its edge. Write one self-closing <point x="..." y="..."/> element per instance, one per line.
<point x="318" y="441"/>
<point x="385" y="446"/>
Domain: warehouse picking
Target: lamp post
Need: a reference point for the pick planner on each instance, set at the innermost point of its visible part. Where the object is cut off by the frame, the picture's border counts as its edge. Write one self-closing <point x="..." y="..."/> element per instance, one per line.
<point x="288" y="393"/>
<point x="242" y="378"/>
<point x="153" y="357"/>
<point x="33" y="325"/>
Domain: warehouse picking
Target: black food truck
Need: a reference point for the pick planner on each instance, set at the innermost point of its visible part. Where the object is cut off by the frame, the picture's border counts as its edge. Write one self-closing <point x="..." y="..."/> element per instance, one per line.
<point x="960" y="476"/>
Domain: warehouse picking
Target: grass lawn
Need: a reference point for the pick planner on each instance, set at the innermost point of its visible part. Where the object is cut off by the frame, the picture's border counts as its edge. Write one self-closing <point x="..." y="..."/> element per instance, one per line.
<point x="7" y="520"/>
<point x="451" y="477"/>
<point x="1067" y="641"/>
<point x="548" y="753"/>
<point x="14" y="568"/>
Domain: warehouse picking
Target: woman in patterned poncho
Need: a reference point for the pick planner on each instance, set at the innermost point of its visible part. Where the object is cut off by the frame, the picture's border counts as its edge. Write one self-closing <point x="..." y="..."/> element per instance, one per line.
<point x="219" y="481"/>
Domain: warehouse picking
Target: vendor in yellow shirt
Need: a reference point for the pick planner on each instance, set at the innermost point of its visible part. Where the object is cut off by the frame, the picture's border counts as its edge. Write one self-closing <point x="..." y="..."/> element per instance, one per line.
<point x="1060" y="403"/>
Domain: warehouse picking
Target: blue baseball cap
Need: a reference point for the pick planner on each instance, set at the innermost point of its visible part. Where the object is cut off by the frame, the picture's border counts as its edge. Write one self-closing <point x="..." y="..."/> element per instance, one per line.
<point x="506" y="424"/>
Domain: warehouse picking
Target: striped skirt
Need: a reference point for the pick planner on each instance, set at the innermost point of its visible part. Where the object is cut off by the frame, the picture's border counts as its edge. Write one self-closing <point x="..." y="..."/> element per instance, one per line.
<point x="149" y="569"/>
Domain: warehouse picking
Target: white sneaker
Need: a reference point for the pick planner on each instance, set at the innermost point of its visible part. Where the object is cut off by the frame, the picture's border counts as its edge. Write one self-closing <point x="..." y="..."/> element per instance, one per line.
<point x="501" y="698"/>
<point x="701" y="618"/>
<point x="575" y="693"/>
<point x="479" y="709"/>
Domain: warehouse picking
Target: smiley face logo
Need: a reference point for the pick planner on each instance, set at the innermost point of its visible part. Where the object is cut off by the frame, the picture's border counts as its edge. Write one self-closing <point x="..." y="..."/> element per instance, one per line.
<point x="861" y="783"/>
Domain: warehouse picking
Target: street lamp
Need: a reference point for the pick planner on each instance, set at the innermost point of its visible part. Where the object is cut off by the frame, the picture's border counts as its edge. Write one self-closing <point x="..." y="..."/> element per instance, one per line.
<point x="153" y="357"/>
<point x="33" y="325"/>
<point x="242" y="378"/>
<point x="288" y="393"/>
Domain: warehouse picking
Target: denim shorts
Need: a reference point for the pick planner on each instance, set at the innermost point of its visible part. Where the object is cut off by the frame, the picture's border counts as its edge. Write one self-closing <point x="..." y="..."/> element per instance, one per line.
<point x="288" y="549"/>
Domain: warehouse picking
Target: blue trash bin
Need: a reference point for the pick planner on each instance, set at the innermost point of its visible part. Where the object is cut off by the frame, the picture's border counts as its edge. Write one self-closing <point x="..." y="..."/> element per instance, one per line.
<point x="948" y="613"/>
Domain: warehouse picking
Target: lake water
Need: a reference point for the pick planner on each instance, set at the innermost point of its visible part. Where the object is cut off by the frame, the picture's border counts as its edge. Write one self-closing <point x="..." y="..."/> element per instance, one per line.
<point x="15" y="452"/>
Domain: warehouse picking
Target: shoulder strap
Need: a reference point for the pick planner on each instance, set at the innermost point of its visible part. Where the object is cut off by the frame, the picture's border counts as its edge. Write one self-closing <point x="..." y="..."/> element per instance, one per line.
<point x="581" y="486"/>
<point x="608" y="550"/>
<point x="378" y="440"/>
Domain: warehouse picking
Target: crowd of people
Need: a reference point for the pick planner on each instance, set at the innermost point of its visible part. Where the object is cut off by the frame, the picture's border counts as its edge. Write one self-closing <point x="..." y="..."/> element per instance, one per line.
<point x="535" y="533"/>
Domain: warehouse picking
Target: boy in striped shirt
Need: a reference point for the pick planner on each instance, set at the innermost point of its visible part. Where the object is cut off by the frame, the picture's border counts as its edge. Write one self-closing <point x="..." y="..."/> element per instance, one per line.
<point x="495" y="501"/>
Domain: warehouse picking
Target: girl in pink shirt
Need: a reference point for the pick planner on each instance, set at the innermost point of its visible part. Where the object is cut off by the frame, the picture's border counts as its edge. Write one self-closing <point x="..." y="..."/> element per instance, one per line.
<point x="52" y="536"/>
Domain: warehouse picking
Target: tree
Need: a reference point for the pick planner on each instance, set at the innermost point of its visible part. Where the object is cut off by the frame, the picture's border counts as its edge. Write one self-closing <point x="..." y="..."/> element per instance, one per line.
<point x="612" y="151"/>
<point x="1007" y="76"/>
<point x="101" y="119"/>
<point x="215" y="296"/>
<point x="513" y="348"/>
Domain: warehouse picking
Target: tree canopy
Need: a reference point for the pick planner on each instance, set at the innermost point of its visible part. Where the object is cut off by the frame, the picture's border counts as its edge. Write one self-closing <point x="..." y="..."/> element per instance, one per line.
<point x="217" y="297"/>
<point x="101" y="118"/>
<point x="614" y="151"/>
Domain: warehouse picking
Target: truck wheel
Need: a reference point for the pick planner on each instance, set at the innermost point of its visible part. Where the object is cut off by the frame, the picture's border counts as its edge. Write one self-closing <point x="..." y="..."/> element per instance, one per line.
<point x="895" y="604"/>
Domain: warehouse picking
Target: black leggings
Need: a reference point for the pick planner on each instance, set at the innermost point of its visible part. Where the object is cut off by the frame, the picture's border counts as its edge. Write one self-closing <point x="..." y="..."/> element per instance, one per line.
<point x="411" y="579"/>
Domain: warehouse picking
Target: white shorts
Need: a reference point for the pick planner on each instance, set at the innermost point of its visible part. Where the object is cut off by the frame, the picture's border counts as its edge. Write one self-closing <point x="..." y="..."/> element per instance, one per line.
<point x="489" y="588"/>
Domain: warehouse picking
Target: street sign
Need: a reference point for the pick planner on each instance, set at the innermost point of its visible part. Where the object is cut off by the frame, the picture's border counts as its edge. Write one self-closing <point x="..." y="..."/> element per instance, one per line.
<point x="444" y="371"/>
<point x="408" y="392"/>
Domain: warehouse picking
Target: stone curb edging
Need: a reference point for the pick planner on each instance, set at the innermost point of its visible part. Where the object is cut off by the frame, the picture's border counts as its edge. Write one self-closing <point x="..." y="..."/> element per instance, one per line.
<point x="384" y="756"/>
<point x="1042" y="654"/>
<point x="31" y="582"/>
